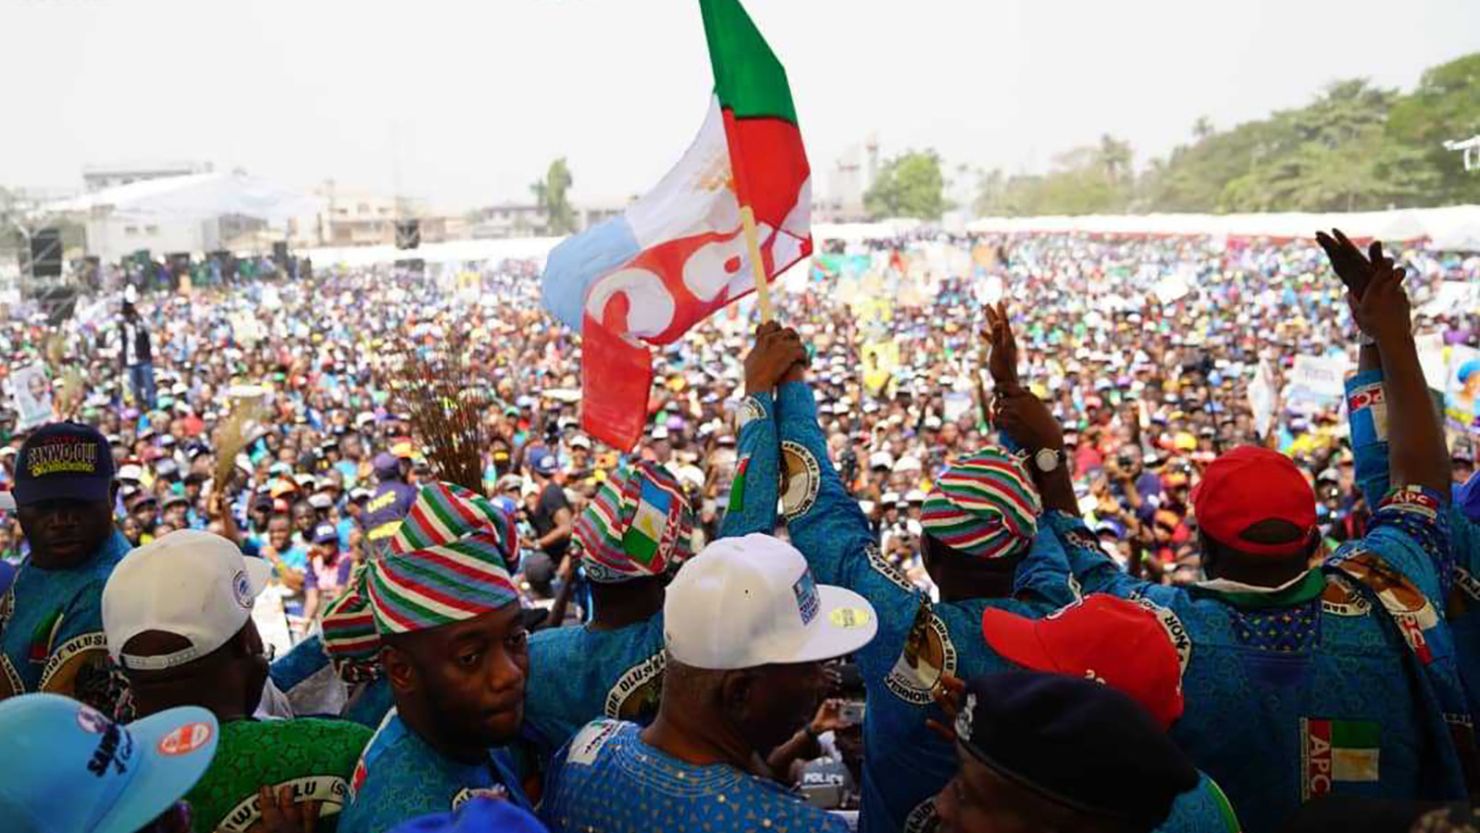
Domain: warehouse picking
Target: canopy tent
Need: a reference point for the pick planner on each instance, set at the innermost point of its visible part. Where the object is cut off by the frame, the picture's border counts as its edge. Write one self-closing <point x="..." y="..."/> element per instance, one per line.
<point x="194" y="196"/>
<point x="452" y="251"/>
<point x="1455" y="227"/>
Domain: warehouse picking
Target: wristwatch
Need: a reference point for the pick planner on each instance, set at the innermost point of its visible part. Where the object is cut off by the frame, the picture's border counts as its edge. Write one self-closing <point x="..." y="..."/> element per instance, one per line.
<point x="1048" y="460"/>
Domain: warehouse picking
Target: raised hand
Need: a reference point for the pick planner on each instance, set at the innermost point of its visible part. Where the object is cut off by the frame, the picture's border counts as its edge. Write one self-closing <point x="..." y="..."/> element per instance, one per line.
<point x="776" y="352"/>
<point x="1002" y="363"/>
<point x="1029" y="422"/>
<point x="1354" y="269"/>
<point x="1382" y="311"/>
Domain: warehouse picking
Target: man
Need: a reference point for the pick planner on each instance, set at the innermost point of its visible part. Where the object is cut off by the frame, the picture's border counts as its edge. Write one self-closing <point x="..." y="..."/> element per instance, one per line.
<point x="632" y="536"/>
<point x="67" y="768"/>
<point x="1352" y="660"/>
<point x="551" y="517"/>
<point x="746" y="629"/>
<point x="456" y="654"/>
<point x="51" y="631"/>
<point x="178" y="617"/>
<point x="289" y="560"/>
<point x="390" y="502"/>
<point x="1051" y="752"/>
<point x="134" y="354"/>
<point x="326" y="573"/>
<point x="979" y="522"/>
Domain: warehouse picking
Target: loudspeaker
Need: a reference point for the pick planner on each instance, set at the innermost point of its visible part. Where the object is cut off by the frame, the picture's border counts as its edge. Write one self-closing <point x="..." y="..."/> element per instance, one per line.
<point x="91" y="273"/>
<point x="57" y="301"/>
<point x="280" y="253"/>
<point x="179" y="262"/>
<point x="408" y="234"/>
<point x="414" y="266"/>
<point x="46" y="253"/>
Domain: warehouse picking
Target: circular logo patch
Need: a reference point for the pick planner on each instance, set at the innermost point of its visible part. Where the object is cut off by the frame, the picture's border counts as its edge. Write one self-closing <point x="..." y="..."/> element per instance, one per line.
<point x="185" y="739"/>
<point x="849" y="618"/>
<point x="92" y="720"/>
<point x="241" y="588"/>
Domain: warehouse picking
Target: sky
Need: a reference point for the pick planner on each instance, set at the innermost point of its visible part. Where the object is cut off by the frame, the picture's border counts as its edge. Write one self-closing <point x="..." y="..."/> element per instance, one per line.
<point x="466" y="103"/>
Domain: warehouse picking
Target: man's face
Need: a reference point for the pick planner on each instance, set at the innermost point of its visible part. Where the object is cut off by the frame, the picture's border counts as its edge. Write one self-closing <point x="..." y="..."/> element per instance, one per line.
<point x="472" y="676"/>
<point x="781" y="700"/>
<point x="65" y="533"/>
<point x="303" y="518"/>
<point x="278" y="533"/>
<point x="976" y="801"/>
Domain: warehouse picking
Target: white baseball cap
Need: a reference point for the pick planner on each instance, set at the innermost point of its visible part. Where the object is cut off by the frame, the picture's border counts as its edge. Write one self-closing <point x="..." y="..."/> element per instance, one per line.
<point x="752" y="601"/>
<point x="190" y="583"/>
<point x="131" y="473"/>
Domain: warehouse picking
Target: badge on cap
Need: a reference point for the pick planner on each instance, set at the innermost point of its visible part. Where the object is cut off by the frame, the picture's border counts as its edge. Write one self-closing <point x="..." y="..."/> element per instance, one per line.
<point x="241" y="589"/>
<point x="185" y="739"/>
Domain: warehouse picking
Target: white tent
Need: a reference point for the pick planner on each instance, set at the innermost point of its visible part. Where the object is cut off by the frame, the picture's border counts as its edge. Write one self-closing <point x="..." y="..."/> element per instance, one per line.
<point x="194" y="196"/>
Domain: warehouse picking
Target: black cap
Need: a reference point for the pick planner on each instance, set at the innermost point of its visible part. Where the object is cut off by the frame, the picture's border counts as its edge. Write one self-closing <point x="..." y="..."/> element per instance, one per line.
<point x="1077" y="743"/>
<point x="63" y="461"/>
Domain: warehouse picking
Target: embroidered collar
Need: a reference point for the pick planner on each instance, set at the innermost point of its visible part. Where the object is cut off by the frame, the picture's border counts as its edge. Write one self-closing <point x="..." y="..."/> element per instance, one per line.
<point x="1304" y="587"/>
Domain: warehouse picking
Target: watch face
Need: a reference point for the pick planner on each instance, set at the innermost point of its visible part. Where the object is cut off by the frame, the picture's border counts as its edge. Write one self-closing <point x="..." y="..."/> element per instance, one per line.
<point x="1046" y="459"/>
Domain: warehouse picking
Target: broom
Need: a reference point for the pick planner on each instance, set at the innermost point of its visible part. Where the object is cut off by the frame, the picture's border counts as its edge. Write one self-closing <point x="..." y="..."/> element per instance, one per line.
<point x="445" y="406"/>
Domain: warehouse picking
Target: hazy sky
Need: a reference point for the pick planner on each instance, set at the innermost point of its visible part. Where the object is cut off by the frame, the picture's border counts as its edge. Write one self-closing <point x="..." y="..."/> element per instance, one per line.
<point x="467" y="102"/>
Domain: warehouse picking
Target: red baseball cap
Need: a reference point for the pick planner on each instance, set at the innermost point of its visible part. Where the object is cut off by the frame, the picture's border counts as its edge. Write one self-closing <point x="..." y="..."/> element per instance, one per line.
<point x="1130" y="646"/>
<point x="1248" y="485"/>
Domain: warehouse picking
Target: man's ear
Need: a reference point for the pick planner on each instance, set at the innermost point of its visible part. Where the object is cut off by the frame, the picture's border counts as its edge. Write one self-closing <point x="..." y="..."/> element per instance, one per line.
<point x="734" y="691"/>
<point x="398" y="668"/>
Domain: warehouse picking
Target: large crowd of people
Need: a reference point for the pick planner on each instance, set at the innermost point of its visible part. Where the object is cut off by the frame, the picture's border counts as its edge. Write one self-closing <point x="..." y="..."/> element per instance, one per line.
<point x="1030" y="532"/>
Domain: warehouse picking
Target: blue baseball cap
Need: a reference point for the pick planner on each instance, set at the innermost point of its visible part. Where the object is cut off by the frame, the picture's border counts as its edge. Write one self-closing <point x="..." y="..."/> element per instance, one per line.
<point x="476" y="816"/>
<point x="326" y="533"/>
<point x="63" y="461"/>
<point x="544" y="463"/>
<point x="69" y="769"/>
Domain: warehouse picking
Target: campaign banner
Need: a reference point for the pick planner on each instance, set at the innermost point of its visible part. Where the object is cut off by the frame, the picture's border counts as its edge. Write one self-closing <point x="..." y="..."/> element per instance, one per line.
<point x="1317" y="380"/>
<point x="31" y="393"/>
<point x="1262" y="399"/>
<point x="1462" y="388"/>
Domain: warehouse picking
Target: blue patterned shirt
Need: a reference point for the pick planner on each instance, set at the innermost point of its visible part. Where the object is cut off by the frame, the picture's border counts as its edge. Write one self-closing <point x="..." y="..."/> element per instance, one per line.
<point x="578" y="674"/>
<point x="907" y="763"/>
<point x="51" y="629"/>
<point x="608" y="780"/>
<point x="1311" y="680"/>
<point x="400" y="777"/>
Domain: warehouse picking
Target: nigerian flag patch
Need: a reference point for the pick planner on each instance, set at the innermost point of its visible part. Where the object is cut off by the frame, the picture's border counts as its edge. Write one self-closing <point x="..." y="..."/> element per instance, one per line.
<point x="1338" y="752"/>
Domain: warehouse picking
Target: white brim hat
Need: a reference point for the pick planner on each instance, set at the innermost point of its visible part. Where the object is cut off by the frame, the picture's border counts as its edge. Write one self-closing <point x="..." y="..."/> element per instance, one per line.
<point x="752" y="601"/>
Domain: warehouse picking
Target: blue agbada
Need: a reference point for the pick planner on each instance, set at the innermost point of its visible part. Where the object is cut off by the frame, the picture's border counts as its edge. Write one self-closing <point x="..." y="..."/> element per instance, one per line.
<point x="578" y="674"/>
<point x="1320" y="686"/>
<point x="1366" y="398"/>
<point x="51" y="628"/>
<point x="907" y="763"/>
<point x="607" y="779"/>
<point x="400" y="777"/>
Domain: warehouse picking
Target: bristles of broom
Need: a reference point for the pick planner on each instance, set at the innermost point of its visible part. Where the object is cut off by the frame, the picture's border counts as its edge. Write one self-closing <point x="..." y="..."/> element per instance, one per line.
<point x="441" y="399"/>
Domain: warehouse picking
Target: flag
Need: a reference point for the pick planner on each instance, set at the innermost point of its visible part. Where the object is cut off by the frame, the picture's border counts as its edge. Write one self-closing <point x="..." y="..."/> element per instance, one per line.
<point x="677" y="254"/>
<point x="1339" y="751"/>
<point x="645" y="535"/>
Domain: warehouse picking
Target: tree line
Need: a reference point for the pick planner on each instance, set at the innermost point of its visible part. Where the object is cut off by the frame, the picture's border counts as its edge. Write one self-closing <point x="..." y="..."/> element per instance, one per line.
<point x="1354" y="147"/>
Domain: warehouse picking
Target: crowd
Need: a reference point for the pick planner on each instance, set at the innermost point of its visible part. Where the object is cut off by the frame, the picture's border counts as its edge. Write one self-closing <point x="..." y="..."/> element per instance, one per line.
<point x="906" y="523"/>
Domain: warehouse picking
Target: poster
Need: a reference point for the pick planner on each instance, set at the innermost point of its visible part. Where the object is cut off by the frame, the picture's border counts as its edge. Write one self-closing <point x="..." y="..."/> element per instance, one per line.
<point x="1318" y="381"/>
<point x="1262" y="396"/>
<point x="32" y="396"/>
<point x="1462" y="388"/>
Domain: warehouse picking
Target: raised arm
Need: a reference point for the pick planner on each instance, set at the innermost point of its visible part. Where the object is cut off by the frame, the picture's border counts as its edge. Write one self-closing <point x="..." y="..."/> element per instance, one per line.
<point x="754" y="492"/>
<point x="1417" y="454"/>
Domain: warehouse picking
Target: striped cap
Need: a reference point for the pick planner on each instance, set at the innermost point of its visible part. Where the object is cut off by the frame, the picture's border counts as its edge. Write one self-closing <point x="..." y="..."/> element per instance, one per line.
<point x="638" y="524"/>
<point x="984" y="505"/>
<point x="445" y="564"/>
<point x="350" y="638"/>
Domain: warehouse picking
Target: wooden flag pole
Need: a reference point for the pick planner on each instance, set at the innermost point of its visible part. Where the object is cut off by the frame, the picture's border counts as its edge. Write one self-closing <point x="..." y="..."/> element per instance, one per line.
<point x="753" y="250"/>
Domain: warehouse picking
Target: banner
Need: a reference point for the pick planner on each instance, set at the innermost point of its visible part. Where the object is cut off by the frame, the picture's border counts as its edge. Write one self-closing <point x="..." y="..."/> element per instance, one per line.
<point x="31" y="391"/>
<point x="1262" y="398"/>
<point x="1462" y="388"/>
<point x="1318" y="380"/>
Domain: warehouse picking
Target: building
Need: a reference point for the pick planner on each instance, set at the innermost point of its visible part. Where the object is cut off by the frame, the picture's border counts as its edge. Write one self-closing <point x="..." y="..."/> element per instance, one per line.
<point x="848" y="180"/>
<point x="530" y="220"/>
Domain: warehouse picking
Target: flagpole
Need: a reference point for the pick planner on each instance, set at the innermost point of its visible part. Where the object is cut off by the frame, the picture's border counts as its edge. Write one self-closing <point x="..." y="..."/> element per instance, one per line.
<point x="753" y="247"/>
